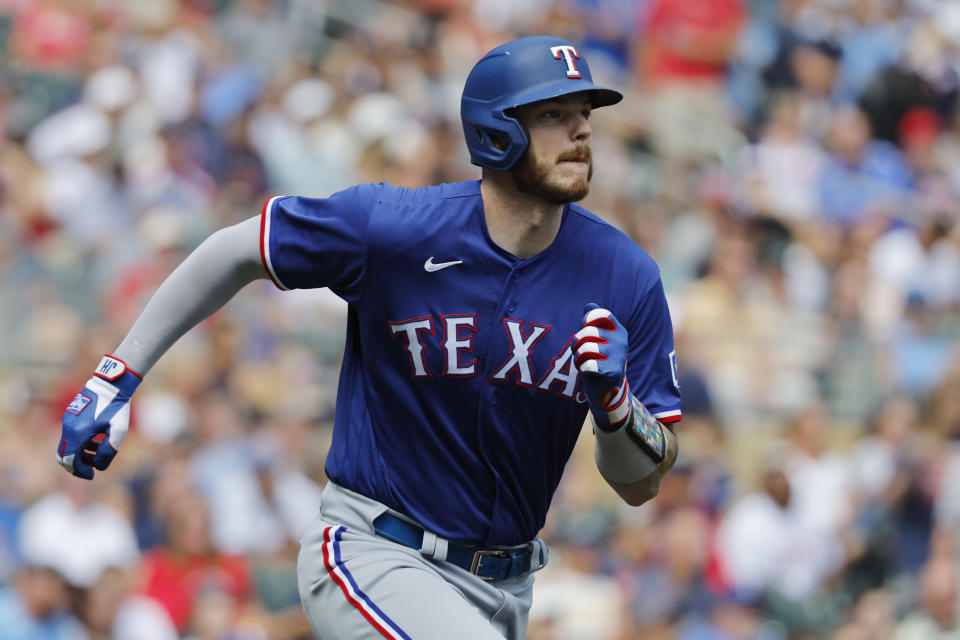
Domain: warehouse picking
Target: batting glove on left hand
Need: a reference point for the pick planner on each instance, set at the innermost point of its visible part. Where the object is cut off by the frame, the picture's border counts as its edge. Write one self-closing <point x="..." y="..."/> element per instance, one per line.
<point x="601" y="357"/>
<point x="101" y="407"/>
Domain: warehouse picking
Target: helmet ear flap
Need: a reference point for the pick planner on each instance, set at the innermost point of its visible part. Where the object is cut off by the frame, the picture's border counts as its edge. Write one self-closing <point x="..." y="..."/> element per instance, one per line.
<point x="497" y="142"/>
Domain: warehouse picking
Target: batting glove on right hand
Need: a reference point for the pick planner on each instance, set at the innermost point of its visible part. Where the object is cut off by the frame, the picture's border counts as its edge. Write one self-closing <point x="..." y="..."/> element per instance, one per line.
<point x="101" y="407"/>
<point x="601" y="357"/>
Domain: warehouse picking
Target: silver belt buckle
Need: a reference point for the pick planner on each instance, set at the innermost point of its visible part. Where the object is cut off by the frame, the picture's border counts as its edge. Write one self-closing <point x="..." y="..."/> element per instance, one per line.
<point x="478" y="556"/>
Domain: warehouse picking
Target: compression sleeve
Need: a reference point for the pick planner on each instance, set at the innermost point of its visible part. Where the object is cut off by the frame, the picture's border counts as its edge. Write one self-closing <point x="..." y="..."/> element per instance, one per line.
<point x="216" y="270"/>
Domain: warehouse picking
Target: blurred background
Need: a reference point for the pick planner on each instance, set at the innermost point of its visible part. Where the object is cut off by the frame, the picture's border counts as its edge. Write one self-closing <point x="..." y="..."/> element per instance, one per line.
<point x="793" y="166"/>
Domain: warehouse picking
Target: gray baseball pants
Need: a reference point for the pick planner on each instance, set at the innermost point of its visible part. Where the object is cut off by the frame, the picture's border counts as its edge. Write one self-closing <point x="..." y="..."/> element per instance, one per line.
<point x="356" y="585"/>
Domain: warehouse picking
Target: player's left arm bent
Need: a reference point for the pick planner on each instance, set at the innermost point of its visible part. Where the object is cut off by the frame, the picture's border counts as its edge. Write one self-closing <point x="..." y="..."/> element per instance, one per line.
<point x="633" y="449"/>
<point x="630" y="469"/>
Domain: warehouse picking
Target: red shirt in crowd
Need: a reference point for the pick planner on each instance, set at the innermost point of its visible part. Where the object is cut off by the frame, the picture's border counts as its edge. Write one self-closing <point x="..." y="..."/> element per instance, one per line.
<point x="51" y="37"/>
<point x="177" y="581"/>
<point x="689" y="39"/>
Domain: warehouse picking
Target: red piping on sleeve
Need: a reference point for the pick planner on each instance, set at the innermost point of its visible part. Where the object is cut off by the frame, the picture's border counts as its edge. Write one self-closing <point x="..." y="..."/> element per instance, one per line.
<point x="263" y="239"/>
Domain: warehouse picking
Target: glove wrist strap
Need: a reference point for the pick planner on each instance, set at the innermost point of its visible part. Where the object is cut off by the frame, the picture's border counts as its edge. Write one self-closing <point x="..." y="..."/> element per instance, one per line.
<point x="614" y="410"/>
<point x="115" y="371"/>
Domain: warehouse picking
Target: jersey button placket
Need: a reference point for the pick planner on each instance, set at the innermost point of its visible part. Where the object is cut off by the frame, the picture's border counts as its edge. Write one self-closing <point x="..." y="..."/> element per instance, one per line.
<point x="512" y="307"/>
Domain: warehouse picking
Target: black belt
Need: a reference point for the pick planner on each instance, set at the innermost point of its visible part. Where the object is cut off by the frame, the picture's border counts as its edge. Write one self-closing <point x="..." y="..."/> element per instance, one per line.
<point x="496" y="563"/>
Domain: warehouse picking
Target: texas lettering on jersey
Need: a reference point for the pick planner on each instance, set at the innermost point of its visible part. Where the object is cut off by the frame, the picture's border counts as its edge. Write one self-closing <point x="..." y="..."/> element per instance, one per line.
<point x="458" y="331"/>
<point x="458" y="360"/>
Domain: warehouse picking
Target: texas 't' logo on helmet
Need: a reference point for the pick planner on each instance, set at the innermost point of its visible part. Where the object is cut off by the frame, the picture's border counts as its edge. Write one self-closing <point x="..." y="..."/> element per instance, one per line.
<point x="569" y="54"/>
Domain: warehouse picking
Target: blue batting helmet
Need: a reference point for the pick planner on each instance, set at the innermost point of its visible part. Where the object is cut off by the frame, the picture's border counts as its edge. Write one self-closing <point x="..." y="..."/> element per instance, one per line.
<point x="520" y="72"/>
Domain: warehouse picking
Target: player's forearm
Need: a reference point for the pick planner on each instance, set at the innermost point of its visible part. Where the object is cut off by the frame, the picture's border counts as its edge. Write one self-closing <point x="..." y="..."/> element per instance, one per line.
<point x="628" y="467"/>
<point x="210" y="276"/>
<point x="638" y="492"/>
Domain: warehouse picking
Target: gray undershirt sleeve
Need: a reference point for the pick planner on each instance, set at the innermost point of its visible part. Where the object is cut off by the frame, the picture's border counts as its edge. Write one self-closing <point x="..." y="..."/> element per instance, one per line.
<point x="210" y="276"/>
<point x="619" y="459"/>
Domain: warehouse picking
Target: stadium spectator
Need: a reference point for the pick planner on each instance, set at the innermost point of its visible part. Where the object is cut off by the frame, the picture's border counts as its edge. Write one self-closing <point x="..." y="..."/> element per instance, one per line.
<point x="783" y="167"/>
<point x="937" y="617"/>
<point x="862" y="177"/>
<point x="194" y="582"/>
<point x="759" y="545"/>
<point x="111" y="610"/>
<point x="683" y="50"/>
<point x="36" y="606"/>
<point x="75" y="533"/>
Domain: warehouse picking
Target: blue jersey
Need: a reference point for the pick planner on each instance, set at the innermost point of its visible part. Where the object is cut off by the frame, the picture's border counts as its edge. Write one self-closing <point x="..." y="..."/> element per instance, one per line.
<point x="458" y="402"/>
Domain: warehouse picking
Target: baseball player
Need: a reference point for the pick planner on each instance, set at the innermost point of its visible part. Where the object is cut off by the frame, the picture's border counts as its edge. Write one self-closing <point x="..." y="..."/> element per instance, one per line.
<point x="486" y="318"/>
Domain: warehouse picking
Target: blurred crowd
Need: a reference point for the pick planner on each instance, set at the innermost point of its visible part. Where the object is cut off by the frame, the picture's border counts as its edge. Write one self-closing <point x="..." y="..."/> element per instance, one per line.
<point x="793" y="166"/>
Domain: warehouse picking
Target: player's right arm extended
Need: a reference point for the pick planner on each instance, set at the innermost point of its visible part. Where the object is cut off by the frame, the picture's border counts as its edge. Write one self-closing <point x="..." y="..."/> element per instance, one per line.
<point x="210" y="276"/>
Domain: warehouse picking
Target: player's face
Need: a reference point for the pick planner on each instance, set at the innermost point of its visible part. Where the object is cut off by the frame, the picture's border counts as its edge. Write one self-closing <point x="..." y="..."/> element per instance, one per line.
<point x="557" y="165"/>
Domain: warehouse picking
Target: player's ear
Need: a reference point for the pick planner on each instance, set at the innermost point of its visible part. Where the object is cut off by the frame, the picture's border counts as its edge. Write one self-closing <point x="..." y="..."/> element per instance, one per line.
<point x="499" y="141"/>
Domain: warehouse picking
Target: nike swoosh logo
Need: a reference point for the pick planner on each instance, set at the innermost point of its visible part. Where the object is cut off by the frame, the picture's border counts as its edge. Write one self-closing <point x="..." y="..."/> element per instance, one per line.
<point x="430" y="266"/>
